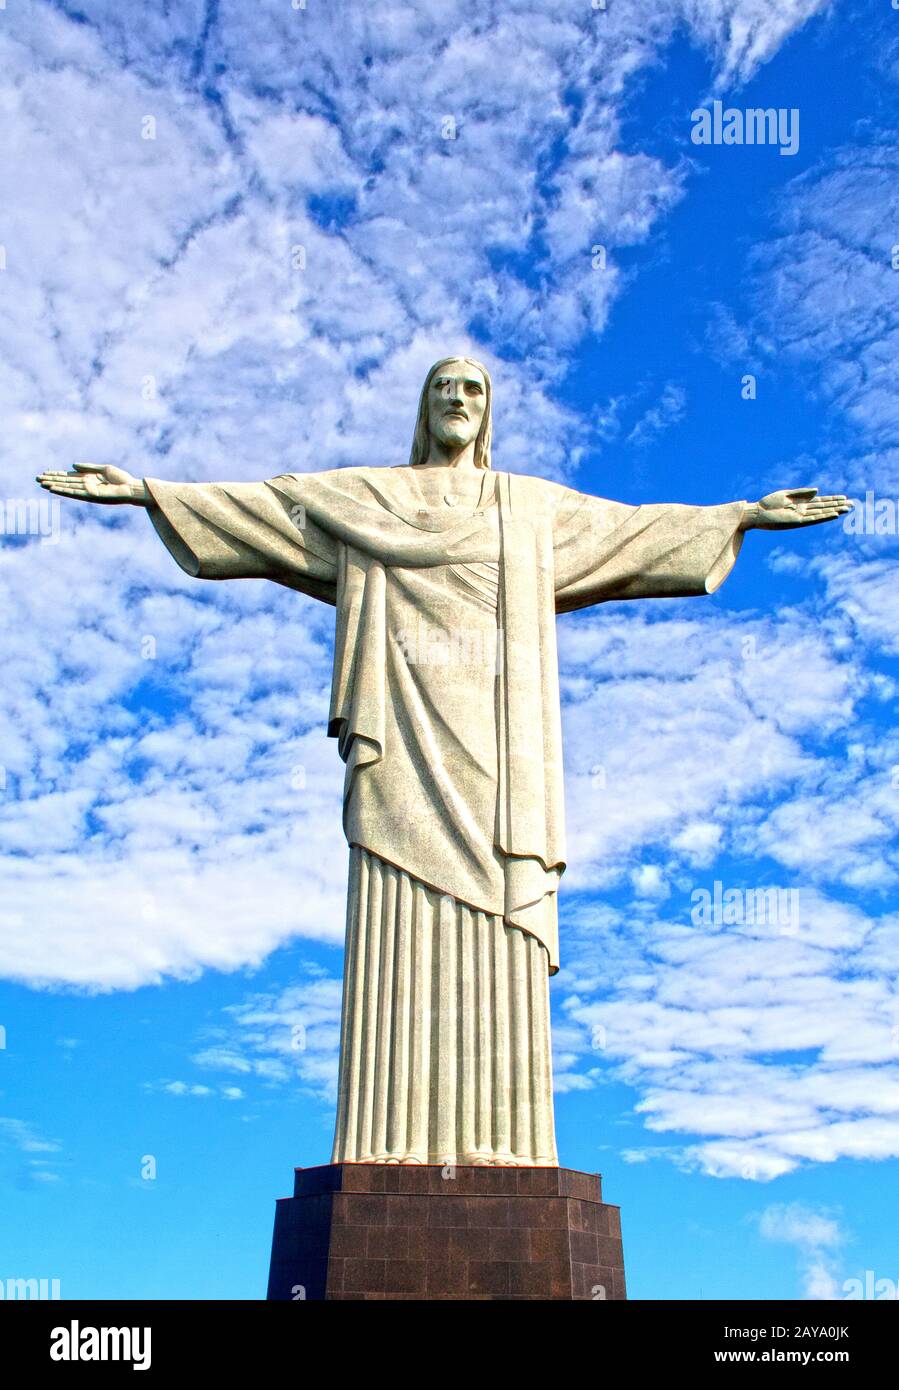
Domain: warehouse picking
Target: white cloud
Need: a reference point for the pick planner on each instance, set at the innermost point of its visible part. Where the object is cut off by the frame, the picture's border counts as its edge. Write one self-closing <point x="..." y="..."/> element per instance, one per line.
<point x="817" y="1236"/>
<point x="700" y="717"/>
<point x="866" y="593"/>
<point x="825" y="300"/>
<point x="186" y="1088"/>
<point x="747" y="33"/>
<point x="290" y="1037"/>
<point x="659" y="417"/>
<point x="23" y="1135"/>
<point x="181" y="1088"/>
<point x="775" y="1045"/>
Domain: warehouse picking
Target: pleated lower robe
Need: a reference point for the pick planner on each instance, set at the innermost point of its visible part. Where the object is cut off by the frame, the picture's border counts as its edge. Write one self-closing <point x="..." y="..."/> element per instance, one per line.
<point x="445" y="1041"/>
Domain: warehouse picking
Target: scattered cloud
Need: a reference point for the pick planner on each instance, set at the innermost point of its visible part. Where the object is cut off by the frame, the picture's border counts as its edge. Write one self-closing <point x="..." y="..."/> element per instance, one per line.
<point x="660" y="417"/>
<point x="816" y="1235"/>
<point x="23" y="1136"/>
<point x="185" y="1088"/>
<point x="291" y="1036"/>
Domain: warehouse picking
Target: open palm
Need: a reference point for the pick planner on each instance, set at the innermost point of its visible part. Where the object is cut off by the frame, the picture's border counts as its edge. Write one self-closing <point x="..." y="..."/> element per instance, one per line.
<point x="94" y="482"/>
<point x="799" y="506"/>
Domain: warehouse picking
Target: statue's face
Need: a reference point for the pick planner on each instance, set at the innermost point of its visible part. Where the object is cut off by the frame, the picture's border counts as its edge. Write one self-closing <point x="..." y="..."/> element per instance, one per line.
<point x="457" y="399"/>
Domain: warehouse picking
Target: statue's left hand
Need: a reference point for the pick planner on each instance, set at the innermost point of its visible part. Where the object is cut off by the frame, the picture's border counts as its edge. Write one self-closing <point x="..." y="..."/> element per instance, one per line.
<point x="798" y="506"/>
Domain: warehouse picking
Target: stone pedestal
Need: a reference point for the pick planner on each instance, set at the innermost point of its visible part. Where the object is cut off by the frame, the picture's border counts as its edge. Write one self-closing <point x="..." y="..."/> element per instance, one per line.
<point x="379" y="1231"/>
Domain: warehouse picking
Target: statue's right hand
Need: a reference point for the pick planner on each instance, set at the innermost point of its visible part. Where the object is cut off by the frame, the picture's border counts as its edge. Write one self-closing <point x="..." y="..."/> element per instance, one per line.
<point x="96" y="482"/>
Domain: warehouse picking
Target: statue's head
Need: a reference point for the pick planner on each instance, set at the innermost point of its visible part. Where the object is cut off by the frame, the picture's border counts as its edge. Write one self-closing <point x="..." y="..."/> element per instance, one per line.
<point x="455" y="409"/>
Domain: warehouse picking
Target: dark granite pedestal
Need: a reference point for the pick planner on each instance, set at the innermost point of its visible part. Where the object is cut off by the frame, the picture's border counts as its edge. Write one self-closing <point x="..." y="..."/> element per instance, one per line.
<point x="385" y="1231"/>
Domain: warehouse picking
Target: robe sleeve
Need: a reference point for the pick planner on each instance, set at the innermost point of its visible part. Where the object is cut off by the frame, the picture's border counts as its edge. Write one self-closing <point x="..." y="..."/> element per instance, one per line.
<point x="245" y="531"/>
<point x="608" y="550"/>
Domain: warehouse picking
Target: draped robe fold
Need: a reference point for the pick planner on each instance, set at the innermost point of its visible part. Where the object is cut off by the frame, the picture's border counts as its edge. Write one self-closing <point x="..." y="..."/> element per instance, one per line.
<point x="445" y="705"/>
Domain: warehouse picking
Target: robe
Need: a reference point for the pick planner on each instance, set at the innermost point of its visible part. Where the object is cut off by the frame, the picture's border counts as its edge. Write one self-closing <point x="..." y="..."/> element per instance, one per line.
<point x="445" y="706"/>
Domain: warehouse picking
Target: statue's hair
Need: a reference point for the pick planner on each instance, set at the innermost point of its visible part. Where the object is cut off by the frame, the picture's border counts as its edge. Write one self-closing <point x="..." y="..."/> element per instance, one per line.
<point x="421" y="442"/>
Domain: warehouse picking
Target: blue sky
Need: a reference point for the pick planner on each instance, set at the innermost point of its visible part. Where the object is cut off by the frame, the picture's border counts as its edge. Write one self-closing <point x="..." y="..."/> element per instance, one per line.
<point x="171" y="886"/>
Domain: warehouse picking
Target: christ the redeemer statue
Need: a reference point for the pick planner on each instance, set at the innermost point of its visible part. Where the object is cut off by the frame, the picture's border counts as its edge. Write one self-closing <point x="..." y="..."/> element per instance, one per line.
<point x="447" y="577"/>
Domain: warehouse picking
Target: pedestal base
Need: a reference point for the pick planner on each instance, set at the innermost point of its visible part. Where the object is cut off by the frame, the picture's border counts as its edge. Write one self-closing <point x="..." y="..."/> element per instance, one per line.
<point x="379" y="1231"/>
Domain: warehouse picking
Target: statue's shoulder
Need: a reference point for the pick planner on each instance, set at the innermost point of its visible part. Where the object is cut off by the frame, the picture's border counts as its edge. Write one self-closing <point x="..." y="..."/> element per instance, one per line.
<point x="347" y="480"/>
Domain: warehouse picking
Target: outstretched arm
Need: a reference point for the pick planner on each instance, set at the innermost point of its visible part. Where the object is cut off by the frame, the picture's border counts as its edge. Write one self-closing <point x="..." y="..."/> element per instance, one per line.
<point x="219" y="530"/>
<point x="608" y="550"/>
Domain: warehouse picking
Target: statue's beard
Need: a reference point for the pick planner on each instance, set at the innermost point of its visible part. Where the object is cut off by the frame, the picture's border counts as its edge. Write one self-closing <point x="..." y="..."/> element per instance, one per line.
<point x="455" y="433"/>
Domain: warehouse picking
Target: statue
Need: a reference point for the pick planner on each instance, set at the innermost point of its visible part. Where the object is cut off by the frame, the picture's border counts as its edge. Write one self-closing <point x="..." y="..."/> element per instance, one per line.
<point x="447" y="576"/>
